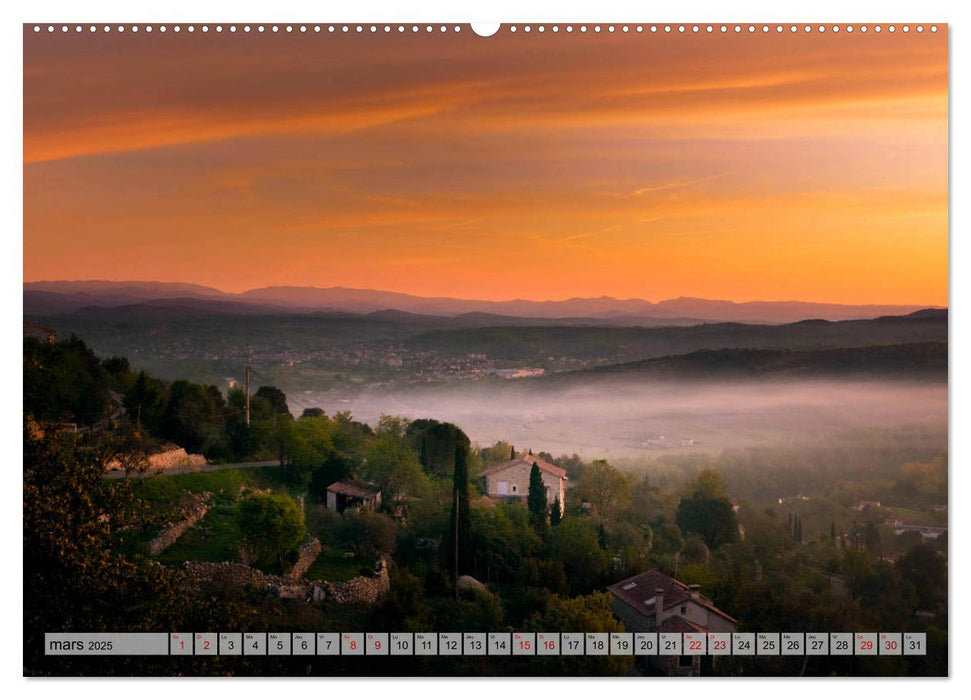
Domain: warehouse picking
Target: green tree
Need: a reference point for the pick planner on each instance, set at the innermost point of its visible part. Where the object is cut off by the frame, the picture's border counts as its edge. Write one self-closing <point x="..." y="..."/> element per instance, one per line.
<point x="145" y="402"/>
<point x="436" y="443"/>
<point x="500" y="539"/>
<point x="590" y="613"/>
<point x="711" y="518"/>
<point x="556" y="514"/>
<point x="192" y="418"/>
<point x="392" y="464"/>
<point x="871" y="537"/>
<point x="708" y="511"/>
<point x="498" y="453"/>
<point x="709" y="484"/>
<point x="368" y="534"/>
<point x="575" y="543"/>
<point x="606" y="488"/>
<point x="276" y="399"/>
<point x="64" y="381"/>
<point x="120" y="373"/>
<point x="270" y="525"/>
<point x="306" y="445"/>
<point x="926" y="571"/>
<point x="536" y="497"/>
<point x="334" y="468"/>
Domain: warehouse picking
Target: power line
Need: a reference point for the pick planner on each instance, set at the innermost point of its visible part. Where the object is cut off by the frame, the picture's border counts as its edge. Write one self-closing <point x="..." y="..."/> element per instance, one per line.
<point x="287" y="396"/>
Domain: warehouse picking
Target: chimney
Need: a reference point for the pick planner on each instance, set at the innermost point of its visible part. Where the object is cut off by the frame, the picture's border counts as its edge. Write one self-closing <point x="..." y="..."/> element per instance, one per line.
<point x="658" y="606"/>
<point x="694" y="591"/>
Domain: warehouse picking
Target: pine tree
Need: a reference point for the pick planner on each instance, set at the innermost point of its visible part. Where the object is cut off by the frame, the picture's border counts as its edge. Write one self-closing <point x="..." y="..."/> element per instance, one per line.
<point x="536" y="499"/>
<point x="512" y="452"/>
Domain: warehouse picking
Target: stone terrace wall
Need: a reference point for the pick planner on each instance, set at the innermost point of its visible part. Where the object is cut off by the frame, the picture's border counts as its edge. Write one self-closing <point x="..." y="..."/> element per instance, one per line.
<point x="176" y="459"/>
<point x="193" y="512"/>
<point x="173" y="460"/>
<point x="363" y="590"/>
<point x="232" y="573"/>
<point x="308" y="553"/>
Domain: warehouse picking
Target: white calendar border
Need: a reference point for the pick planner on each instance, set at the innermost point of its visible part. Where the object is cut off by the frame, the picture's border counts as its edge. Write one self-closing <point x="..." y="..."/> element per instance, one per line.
<point x="509" y="11"/>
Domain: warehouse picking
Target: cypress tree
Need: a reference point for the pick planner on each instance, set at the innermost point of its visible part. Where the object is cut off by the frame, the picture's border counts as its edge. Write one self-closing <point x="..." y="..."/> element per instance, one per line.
<point x="555" y="515"/>
<point x="536" y="499"/>
<point x="457" y="555"/>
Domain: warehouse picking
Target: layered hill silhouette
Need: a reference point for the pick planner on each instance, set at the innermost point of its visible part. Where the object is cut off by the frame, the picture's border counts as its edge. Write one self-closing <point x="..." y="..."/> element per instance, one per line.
<point x="52" y="297"/>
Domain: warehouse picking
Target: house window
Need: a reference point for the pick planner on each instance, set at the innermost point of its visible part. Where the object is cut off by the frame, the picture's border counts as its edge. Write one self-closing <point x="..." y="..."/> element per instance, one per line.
<point x="502" y="488"/>
<point x="514" y="488"/>
<point x="684" y="609"/>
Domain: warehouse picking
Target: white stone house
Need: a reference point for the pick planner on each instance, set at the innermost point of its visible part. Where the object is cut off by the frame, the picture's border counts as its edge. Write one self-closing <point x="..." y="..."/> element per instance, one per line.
<point x="510" y="479"/>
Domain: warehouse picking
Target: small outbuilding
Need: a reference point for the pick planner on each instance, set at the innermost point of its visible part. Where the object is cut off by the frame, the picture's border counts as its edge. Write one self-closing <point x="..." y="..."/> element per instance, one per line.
<point x="351" y="493"/>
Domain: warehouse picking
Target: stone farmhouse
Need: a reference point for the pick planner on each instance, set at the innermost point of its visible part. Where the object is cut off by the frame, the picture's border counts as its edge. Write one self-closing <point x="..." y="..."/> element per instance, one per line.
<point x="653" y="602"/>
<point x="510" y="480"/>
<point x="350" y="493"/>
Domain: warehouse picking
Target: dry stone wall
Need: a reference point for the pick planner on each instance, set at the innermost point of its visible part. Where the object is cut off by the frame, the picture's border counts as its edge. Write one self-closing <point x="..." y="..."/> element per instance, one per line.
<point x="193" y="512"/>
<point x="363" y="590"/>
<point x="174" y="460"/>
<point x="307" y="554"/>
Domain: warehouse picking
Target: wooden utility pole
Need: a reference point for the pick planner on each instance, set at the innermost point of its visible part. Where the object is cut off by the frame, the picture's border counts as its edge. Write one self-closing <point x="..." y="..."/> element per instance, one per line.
<point x="456" y="544"/>
<point x="247" y="396"/>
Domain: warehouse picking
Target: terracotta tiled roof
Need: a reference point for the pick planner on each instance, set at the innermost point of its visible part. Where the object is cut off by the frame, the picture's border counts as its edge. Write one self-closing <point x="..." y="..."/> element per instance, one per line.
<point x="676" y="623"/>
<point x="352" y="487"/>
<point x="639" y="593"/>
<point x="527" y="462"/>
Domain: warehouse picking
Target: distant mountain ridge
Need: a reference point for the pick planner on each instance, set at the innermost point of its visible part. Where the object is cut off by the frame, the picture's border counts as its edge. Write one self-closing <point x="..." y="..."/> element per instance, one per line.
<point x="68" y="296"/>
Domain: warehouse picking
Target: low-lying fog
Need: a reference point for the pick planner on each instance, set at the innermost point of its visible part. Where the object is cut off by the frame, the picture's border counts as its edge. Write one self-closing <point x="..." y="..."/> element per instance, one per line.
<point x="640" y="419"/>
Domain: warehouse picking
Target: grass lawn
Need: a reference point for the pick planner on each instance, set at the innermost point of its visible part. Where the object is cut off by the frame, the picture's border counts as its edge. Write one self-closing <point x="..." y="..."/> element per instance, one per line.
<point x="214" y="538"/>
<point x="160" y="492"/>
<point x="332" y="566"/>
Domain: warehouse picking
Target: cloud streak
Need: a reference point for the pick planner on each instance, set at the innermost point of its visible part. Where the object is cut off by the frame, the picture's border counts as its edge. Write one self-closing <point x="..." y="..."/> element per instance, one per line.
<point x="809" y="167"/>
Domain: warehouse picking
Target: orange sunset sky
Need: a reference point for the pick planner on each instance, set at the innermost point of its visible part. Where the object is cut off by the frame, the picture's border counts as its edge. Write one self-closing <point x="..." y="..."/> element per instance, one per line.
<point x="540" y="166"/>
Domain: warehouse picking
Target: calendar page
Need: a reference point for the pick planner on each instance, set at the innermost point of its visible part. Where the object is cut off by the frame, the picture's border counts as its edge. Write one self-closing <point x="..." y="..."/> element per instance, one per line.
<point x="603" y="349"/>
